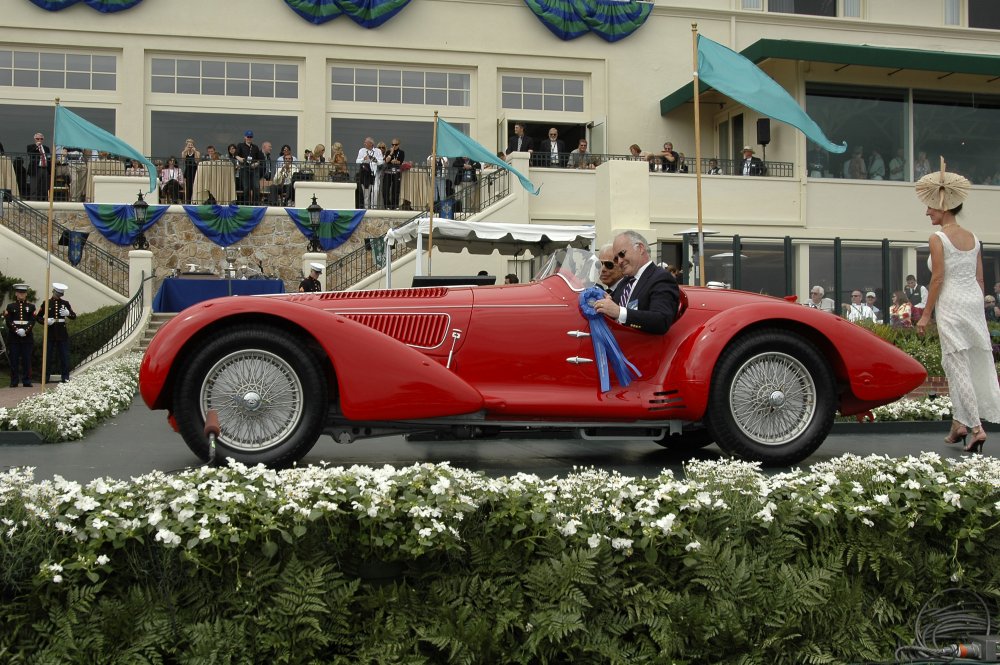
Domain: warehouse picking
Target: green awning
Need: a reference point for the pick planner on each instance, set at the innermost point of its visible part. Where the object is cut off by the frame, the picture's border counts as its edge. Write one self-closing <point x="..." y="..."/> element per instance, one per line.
<point x="844" y="54"/>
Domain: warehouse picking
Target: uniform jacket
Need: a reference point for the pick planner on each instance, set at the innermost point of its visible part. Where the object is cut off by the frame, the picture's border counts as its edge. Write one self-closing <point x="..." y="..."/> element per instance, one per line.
<point x="57" y="330"/>
<point x="19" y="314"/>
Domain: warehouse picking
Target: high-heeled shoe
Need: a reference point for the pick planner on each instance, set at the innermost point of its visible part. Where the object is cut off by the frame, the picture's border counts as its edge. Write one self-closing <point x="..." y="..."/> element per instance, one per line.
<point x="976" y="444"/>
<point x="957" y="434"/>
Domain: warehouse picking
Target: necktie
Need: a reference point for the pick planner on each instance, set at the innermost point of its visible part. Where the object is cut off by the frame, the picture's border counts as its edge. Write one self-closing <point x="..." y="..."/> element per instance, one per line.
<point x="41" y="160"/>
<point x="519" y="144"/>
<point x="626" y="292"/>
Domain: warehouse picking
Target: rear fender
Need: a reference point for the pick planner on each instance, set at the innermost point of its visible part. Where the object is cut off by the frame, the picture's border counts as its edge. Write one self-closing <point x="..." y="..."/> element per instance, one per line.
<point x="869" y="370"/>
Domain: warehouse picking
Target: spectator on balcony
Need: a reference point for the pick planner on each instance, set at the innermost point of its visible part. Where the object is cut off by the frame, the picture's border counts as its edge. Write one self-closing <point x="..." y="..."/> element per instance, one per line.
<point x="39" y="163"/>
<point x="211" y="154"/>
<point x="171" y="181"/>
<point x="870" y="301"/>
<point x="284" y="179"/>
<point x="990" y="308"/>
<point x="369" y="159"/>
<point x="136" y="168"/>
<point x="921" y="166"/>
<point x="897" y="166"/>
<point x="393" y="178"/>
<point x="750" y="165"/>
<point x="682" y="166"/>
<point x="855" y="167"/>
<point x="668" y="158"/>
<point x="818" y="299"/>
<point x="818" y="161"/>
<point x="581" y="159"/>
<point x="876" y="166"/>
<point x="465" y="183"/>
<point x="249" y="155"/>
<point x="519" y="142"/>
<point x="339" y="159"/>
<point x="190" y="158"/>
<point x="70" y="162"/>
<point x="551" y="151"/>
<point x="713" y="167"/>
<point x="917" y="295"/>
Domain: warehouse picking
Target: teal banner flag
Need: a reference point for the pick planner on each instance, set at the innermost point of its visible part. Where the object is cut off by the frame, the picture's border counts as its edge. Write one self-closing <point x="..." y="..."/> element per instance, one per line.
<point x="736" y="77"/>
<point x="72" y="130"/>
<point x="335" y="226"/>
<point x="453" y="143"/>
<point x="225" y="225"/>
<point x="117" y="222"/>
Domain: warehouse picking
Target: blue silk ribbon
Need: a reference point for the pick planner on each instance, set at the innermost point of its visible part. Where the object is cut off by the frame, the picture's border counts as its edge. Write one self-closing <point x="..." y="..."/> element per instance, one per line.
<point x="605" y="345"/>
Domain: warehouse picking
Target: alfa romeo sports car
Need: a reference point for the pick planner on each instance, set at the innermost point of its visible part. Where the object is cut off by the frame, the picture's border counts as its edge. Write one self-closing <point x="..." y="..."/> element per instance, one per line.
<point x="761" y="377"/>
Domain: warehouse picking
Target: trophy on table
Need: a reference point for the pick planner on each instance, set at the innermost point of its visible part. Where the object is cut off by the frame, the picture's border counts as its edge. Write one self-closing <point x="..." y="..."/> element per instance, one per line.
<point x="231" y="255"/>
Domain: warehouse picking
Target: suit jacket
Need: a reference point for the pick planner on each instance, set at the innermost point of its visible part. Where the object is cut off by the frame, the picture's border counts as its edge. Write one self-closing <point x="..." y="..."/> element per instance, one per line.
<point x="252" y="151"/>
<point x="460" y="172"/>
<point x="526" y="144"/>
<point x="34" y="155"/>
<point x="756" y="166"/>
<point x="543" y="156"/>
<point x="652" y="305"/>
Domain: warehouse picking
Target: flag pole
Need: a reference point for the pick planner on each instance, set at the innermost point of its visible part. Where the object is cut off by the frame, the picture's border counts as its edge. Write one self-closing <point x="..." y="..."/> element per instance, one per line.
<point x="697" y="153"/>
<point x="48" y="249"/>
<point x="430" y="208"/>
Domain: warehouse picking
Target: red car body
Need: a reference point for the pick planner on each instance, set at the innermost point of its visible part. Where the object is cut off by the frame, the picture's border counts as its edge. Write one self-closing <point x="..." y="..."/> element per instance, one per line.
<point x="479" y="359"/>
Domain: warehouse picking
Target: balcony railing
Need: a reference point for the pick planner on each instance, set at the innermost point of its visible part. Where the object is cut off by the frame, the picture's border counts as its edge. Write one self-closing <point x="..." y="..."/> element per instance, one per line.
<point x="103" y="336"/>
<point x="351" y="268"/>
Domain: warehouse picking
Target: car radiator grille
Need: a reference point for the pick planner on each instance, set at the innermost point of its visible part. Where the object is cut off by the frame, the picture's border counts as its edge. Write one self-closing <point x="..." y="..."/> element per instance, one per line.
<point x="420" y="330"/>
<point x="429" y="292"/>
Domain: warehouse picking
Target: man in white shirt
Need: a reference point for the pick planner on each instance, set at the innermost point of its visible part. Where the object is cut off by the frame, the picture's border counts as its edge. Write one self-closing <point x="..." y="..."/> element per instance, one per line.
<point x="370" y="158"/>
<point x="858" y="311"/>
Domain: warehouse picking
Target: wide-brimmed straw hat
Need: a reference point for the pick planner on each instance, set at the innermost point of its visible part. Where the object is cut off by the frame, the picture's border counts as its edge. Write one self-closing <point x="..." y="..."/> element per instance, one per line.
<point x="942" y="190"/>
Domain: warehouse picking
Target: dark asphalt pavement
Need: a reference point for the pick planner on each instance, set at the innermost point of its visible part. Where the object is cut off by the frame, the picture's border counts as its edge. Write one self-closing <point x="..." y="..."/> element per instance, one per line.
<point x="139" y="441"/>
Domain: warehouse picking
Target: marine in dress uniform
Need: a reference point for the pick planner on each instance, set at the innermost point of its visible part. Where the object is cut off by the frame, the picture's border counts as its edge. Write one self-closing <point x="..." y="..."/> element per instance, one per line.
<point x="311" y="284"/>
<point x="61" y="311"/>
<point x="19" y="316"/>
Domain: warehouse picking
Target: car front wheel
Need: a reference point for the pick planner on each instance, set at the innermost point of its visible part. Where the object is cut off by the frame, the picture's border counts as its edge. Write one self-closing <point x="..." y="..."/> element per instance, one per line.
<point x="268" y="392"/>
<point x="773" y="398"/>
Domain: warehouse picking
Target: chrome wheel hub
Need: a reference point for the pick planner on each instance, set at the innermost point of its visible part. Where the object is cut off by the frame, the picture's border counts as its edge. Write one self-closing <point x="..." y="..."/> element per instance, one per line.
<point x="257" y="396"/>
<point x="772" y="398"/>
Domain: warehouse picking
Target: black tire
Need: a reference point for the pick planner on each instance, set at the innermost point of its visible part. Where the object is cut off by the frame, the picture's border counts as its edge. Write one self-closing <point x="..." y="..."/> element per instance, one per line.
<point x="773" y="398"/>
<point x="688" y="439"/>
<point x="276" y="412"/>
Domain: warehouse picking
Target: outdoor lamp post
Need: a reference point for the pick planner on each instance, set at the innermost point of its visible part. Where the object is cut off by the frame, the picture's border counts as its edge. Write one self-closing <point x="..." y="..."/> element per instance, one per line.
<point x="140" y="207"/>
<point x="314" y="211"/>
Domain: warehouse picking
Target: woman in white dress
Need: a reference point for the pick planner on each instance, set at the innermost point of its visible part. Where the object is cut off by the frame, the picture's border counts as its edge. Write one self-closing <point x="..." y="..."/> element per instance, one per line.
<point x="956" y="294"/>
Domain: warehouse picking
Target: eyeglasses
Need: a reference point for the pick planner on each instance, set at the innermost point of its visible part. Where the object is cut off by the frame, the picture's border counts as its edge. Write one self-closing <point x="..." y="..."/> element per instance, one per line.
<point x="395" y="144"/>
<point x="815" y="293"/>
<point x="610" y="265"/>
<point x="620" y="255"/>
<point x="855" y="295"/>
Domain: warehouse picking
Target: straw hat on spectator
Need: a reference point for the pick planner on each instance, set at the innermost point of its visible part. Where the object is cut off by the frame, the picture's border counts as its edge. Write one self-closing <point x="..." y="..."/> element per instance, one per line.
<point x="942" y="190"/>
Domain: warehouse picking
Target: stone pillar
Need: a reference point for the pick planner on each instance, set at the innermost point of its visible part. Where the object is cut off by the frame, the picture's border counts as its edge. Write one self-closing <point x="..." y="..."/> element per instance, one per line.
<point x="622" y="200"/>
<point x="801" y="280"/>
<point x="140" y="272"/>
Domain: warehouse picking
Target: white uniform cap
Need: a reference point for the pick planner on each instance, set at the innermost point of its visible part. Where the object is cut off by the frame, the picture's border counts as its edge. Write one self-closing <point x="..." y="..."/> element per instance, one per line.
<point x="20" y="287"/>
<point x="59" y="287"/>
<point x="318" y="267"/>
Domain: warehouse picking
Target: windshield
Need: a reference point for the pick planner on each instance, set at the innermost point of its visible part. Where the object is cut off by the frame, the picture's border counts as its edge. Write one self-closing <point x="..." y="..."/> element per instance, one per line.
<point x="579" y="268"/>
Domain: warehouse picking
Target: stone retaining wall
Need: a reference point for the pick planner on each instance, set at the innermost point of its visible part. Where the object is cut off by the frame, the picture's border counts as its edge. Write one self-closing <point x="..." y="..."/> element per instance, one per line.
<point x="276" y="244"/>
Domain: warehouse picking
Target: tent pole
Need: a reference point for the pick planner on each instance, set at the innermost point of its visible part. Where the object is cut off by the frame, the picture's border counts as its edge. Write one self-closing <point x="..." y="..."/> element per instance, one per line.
<point x="697" y="155"/>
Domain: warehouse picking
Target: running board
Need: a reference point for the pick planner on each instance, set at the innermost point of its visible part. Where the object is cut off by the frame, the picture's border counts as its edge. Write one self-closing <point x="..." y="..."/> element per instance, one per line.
<point x="619" y="433"/>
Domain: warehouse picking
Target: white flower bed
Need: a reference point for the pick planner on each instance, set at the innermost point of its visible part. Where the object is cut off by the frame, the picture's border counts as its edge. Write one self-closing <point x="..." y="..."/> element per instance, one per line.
<point x="64" y="414"/>
<point x="938" y="408"/>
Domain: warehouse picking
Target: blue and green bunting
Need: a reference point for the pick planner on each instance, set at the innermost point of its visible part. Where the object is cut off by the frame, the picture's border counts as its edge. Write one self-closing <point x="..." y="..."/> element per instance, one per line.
<point x="335" y="226"/>
<point x="103" y="6"/>
<point x="225" y="225"/>
<point x="117" y="222"/>
<point x="366" y="13"/>
<point x="611" y="20"/>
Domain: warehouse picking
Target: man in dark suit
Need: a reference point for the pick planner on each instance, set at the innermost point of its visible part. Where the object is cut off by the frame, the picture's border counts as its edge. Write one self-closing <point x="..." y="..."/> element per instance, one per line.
<point x="551" y="151"/>
<point x="249" y="157"/>
<point x="647" y="297"/>
<point x="39" y="163"/>
<point x="750" y="165"/>
<point x="519" y="142"/>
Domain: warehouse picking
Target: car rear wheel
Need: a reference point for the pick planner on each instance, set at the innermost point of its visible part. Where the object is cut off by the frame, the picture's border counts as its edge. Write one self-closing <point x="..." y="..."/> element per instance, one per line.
<point x="773" y="398"/>
<point x="268" y="392"/>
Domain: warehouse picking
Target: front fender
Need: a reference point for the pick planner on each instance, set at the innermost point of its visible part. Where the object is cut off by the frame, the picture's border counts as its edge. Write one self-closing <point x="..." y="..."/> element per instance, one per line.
<point x="378" y="378"/>
<point x="873" y="371"/>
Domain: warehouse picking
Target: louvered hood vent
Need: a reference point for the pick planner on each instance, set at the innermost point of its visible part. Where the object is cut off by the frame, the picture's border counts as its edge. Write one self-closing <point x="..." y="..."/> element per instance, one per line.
<point x="424" y="331"/>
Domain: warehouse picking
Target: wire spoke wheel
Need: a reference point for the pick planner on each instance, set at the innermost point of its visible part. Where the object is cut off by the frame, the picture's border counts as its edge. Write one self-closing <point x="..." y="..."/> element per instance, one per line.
<point x="258" y="397"/>
<point x="772" y="398"/>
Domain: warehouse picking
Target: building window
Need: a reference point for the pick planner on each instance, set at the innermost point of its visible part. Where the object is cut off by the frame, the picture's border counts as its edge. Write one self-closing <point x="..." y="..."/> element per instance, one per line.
<point x="536" y="93"/>
<point x="227" y="78"/>
<point x="416" y="137"/>
<point x="755" y="5"/>
<point x="963" y="127"/>
<point x="383" y="85"/>
<point x="952" y="12"/>
<point x="811" y="7"/>
<point x="984" y="14"/>
<point x="169" y="129"/>
<point x="67" y="71"/>
<point x="852" y="8"/>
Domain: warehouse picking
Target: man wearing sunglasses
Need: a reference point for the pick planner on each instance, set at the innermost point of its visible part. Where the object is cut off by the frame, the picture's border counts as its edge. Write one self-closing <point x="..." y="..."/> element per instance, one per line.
<point x="611" y="272"/>
<point x="648" y="296"/>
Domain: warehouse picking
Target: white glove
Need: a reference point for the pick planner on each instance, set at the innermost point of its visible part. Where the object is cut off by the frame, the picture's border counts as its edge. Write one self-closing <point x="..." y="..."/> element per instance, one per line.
<point x="64" y="311"/>
<point x="51" y="321"/>
<point x="21" y="332"/>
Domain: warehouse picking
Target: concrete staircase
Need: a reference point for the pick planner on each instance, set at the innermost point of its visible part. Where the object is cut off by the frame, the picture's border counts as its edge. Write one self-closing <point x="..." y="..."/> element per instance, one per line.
<point x="157" y="320"/>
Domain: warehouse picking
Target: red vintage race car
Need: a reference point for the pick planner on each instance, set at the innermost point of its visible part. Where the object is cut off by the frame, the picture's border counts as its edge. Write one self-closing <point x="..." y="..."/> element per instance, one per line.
<point x="760" y="376"/>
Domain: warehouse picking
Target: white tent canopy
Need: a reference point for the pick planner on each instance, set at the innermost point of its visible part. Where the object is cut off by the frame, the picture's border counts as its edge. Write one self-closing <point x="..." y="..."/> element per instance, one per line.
<point x="452" y="235"/>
